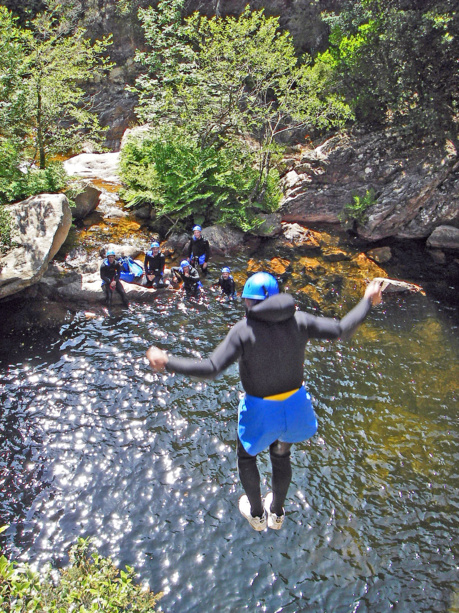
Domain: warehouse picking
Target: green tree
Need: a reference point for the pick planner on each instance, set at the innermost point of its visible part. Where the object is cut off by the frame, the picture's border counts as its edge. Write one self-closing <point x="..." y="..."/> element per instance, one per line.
<point x="60" y="113"/>
<point x="230" y="82"/>
<point x="42" y="72"/>
<point x="397" y="63"/>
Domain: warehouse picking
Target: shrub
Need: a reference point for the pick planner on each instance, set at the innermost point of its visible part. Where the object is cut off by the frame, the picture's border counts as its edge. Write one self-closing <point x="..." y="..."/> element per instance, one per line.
<point x="18" y="184"/>
<point x="90" y="583"/>
<point x="179" y="179"/>
<point x="356" y="211"/>
<point x="6" y="241"/>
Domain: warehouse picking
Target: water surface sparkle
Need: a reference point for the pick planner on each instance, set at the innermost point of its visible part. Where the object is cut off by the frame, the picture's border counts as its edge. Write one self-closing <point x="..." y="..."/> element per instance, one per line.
<point x="93" y="443"/>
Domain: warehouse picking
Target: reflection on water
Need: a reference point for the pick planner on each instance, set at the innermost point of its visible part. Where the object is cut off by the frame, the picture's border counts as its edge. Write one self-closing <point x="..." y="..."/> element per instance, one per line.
<point x="93" y="443"/>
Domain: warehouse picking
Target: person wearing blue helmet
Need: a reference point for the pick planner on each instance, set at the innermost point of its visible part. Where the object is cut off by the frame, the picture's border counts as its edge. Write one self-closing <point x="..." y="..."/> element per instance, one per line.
<point x="276" y="411"/>
<point x="226" y="284"/>
<point x="154" y="264"/>
<point x="110" y="271"/>
<point x="199" y="250"/>
<point x="189" y="276"/>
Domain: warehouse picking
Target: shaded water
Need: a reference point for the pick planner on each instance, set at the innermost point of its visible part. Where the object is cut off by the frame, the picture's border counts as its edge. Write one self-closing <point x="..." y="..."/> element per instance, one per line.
<point x="94" y="443"/>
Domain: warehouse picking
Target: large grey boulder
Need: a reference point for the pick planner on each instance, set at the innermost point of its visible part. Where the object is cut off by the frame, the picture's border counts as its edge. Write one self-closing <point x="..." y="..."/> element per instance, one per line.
<point x="444" y="237"/>
<point x="86" y="202"/>
<point x="40" y="226"/>
<point x="223" y="239"/>
<point x="416" y="188"/>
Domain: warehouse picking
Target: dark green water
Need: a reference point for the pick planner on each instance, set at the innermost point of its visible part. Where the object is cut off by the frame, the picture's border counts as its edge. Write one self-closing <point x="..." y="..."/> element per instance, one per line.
<point x="93" y="443"/>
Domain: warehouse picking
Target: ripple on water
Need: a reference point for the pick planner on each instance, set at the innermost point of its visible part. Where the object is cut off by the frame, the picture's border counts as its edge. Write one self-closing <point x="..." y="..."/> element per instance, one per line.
<point x="93" y="443"/>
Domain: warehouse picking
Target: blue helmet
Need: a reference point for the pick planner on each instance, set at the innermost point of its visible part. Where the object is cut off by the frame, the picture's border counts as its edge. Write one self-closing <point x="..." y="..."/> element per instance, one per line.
<point x="184" y="263"/>
<point x="260" y="286"/>
<point x="197" y="229"/>
<point x="226" y="269"/>
<point x="154" y="245"/>
<point x="110" y="252"/>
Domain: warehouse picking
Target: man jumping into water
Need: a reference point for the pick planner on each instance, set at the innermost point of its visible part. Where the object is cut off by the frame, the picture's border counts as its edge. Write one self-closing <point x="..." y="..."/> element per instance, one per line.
<point x="276" y="410"/>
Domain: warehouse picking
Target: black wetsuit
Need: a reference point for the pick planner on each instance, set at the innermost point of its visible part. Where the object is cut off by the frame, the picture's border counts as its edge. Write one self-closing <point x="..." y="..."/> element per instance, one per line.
<point x="154" y="265"/>
<point x="227" y="286"/>
<point x="111" y="272"/>
<point x="269" y="345"/>
<point x="199" y="252"/>
<point x="191" y="283"/>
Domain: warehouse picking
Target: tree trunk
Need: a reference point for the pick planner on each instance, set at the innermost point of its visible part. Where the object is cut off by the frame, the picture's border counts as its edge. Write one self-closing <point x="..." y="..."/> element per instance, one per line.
<point x="40" y="143"/>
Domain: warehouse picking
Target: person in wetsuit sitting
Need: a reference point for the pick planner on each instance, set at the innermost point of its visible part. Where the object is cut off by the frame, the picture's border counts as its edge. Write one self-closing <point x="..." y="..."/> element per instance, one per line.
<point x="190" y="278"/>
<point x="276" y="411"/>
<point x="226" y="284"/>
<point x="110" y="271"/>
<point x="154" y="264"/>
<point x="199" y="250"/>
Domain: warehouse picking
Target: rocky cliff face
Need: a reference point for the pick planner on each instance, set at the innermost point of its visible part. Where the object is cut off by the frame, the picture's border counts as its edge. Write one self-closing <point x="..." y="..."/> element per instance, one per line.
<point x="116" y="106"/>
<point x="416" y="189"/>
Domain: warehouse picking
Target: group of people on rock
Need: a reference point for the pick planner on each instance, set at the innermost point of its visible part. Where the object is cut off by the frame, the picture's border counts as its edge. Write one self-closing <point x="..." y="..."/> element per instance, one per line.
<point x="198" y="254"/>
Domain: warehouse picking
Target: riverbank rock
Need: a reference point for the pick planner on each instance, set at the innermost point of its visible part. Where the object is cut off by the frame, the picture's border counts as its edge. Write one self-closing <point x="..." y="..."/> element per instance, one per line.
<point x="104" y="166"/>
<point x="40" y="226"/>
<point x="86" y="202"/>
<point x="415" y="188"/>
<point x="444" y="237"/>
<point x="88" y="288"/>
<point x="222" y="239"/>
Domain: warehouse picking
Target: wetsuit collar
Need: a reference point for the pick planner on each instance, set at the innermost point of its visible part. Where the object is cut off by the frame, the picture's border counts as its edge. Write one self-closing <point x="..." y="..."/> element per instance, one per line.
<point x="276" y="308"/>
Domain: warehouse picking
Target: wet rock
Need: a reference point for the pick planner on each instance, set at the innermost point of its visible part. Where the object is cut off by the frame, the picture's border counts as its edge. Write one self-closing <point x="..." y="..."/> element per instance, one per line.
<point x="393" y="286"/>
<point x="223" y="239"/>
<point x="444" y="237"/>
<point x="270" y="226"/>
<point x="88" y="288"/>
<point x="176" y="243"/>
<point x="367" y="267"/>
<point x="312" y="295"/>
<point x="309" y="266"/>
<point x="276" y="266"/>
<point x="103" y="166"/>
<point x="294" y="235"/>
<point x="381" y="255"/>
<point x="40" y="226"/>
<point x="437" y="256"/>
<point x="86" y="202"/>
<point x="143" y="212"/>
<point x="415" y="187"/>
<point x="333" y="254"/>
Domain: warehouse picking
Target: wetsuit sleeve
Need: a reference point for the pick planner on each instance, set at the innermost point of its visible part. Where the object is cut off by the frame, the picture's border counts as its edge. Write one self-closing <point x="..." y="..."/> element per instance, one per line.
<point x="146" y="264"/>
<point x="327" y="328"/>
<point x="194" y="275"/>
<point x="103" y="274"/>
<point x="207" y="251"/>
<point x="229" y="350"/>
<point x="162" y="263"/>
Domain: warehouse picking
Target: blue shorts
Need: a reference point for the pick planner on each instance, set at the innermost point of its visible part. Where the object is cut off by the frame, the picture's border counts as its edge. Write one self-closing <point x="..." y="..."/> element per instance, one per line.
<point x="262" y="421"/>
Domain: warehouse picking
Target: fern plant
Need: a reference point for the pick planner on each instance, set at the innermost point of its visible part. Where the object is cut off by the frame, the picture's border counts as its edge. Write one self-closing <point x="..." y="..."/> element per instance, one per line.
<point x="356" y="212"/>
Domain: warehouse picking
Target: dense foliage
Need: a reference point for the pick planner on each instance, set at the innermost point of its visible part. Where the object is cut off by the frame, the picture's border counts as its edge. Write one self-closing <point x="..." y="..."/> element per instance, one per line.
<point x="182" y="179"/>
<point x="44" y="110"/>
<point x="397" y="63"/>
<point x="90" y="583"/>
<point x="224" y="83"/>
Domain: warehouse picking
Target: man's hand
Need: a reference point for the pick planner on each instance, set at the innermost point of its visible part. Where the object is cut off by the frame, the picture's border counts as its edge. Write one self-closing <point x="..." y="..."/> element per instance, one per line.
<point x="112" y="285"/>
<point x="157" y="358"/>
<point x="373" y="292"/>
